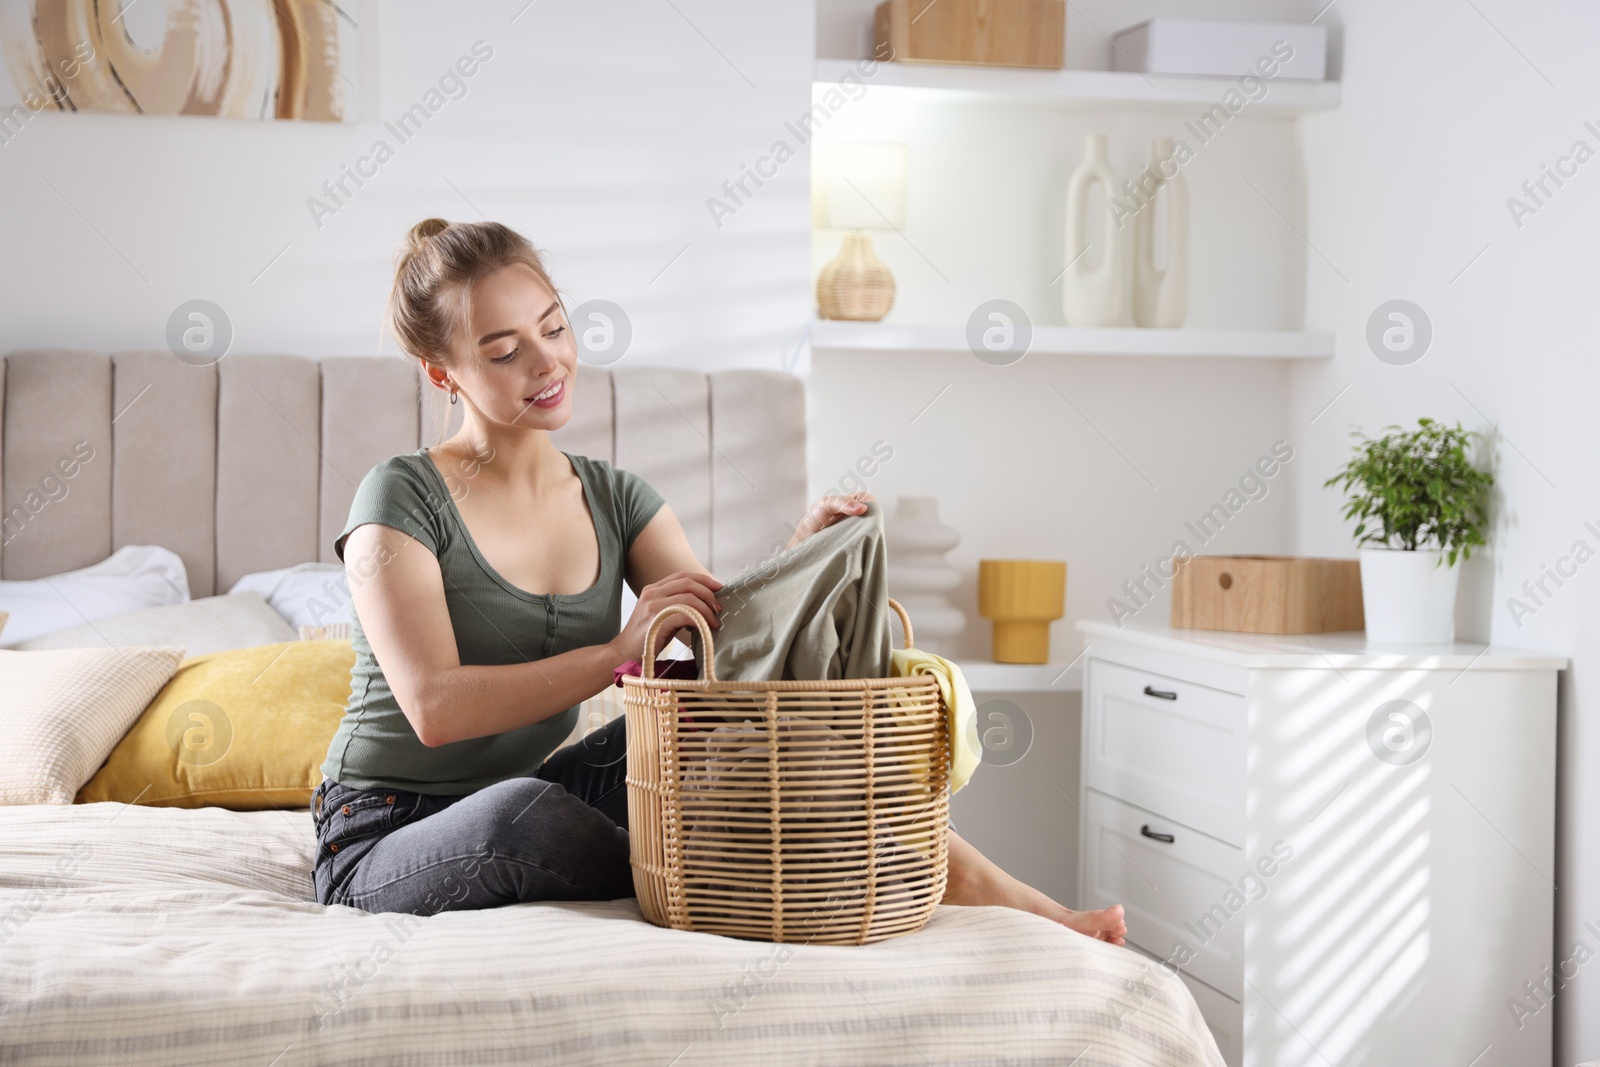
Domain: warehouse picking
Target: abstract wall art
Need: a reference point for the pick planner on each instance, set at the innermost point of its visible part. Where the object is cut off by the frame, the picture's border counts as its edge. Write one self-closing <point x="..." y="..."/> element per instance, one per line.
<point x="241" y="59"/>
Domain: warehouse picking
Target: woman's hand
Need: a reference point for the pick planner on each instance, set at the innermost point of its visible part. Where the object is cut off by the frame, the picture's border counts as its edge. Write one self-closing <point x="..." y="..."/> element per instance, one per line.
<point x="691" y="588"/>
<point x="829" y="510"/>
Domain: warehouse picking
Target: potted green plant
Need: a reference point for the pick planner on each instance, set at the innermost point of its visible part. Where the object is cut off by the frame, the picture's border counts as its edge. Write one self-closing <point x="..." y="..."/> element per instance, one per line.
<point x="1420" y="505"/>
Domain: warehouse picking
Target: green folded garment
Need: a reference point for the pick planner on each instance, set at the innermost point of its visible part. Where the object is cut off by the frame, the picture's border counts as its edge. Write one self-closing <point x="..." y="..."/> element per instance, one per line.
<point x="819" y="610"/>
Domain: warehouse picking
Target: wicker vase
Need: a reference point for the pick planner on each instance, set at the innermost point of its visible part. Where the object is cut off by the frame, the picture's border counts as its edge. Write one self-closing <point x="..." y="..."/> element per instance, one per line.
<point x="855" y="284"/>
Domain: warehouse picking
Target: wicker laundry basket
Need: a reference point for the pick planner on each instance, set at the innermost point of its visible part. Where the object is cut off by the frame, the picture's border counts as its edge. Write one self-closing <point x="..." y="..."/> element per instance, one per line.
<point x="810" y="811"/>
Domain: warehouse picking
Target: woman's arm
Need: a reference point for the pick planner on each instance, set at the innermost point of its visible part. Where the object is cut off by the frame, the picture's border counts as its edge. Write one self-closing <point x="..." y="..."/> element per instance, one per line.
<point x="660" y="549"/>
<point x="661" y="553"/>
<point x="398" y="593"/>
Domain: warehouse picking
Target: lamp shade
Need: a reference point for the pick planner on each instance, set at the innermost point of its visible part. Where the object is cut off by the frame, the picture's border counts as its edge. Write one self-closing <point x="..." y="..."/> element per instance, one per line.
<point x="858" y="185"/>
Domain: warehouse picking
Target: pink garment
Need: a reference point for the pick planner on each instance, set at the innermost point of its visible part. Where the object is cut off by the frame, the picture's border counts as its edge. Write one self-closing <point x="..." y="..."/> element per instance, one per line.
<point x="665" y="668"/>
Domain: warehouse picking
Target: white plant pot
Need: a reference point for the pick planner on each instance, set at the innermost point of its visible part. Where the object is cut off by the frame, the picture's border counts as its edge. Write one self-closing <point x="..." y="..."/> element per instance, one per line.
<point x="1407" y="597"/>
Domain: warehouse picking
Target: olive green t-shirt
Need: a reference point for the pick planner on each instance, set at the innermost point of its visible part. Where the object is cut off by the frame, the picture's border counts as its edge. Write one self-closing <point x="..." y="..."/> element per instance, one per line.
<point x="494" y="622"/>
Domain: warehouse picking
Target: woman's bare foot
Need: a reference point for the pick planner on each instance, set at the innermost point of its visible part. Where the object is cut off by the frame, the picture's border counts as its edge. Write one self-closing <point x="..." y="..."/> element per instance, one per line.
<point x="975" y="880"/>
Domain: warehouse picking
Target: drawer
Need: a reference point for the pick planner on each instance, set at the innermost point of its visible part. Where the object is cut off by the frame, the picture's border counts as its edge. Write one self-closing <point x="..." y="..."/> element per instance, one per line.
<point x="1171" y="891"/>
<point x="1224" y="1016"/>
<point x="1167" y="745"/>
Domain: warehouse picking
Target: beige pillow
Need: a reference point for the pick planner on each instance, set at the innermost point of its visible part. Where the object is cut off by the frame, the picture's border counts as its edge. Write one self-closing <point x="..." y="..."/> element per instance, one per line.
<point x="210" y="624"/>
<point x="62" y="712"/>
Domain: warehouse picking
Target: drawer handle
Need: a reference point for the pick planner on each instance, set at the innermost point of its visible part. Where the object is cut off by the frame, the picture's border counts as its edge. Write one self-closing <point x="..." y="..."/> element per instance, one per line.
<point x="1152" y="835"/>
<point x="1160" y="694"/>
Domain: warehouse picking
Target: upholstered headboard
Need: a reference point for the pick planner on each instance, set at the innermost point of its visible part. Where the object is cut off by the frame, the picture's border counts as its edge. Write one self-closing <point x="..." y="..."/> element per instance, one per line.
<point x="250" y="464"/>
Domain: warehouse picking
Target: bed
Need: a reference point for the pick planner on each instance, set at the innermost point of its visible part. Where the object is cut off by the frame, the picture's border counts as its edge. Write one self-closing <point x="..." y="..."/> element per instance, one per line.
<point x="134" y="934"/>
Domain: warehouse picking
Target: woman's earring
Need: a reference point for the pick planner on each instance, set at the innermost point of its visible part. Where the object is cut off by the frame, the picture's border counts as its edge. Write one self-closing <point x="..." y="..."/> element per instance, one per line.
<point x="452" y="396"/>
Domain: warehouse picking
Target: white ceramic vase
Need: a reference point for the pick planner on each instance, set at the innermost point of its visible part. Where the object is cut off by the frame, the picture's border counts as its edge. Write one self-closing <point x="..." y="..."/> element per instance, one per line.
<point x="1097" y="286"/>
<point x="1161" y="295"/>
<point x="915" y="542"/>
<point x="1408" y="597"/>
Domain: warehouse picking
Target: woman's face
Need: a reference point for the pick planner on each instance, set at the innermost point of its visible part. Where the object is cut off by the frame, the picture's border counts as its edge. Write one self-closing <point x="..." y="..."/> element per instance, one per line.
<point x="524" y="359"/>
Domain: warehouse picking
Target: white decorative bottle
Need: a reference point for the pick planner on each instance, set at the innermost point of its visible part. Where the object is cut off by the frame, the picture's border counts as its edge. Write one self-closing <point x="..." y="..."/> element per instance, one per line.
<point x="1097" y="286"/>
<point x="1161" y="295"/>
<point x="915" y="542"/>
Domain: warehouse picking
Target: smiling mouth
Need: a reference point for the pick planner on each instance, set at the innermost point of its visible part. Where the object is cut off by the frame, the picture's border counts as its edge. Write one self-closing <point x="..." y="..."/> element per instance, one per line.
<point x="550" y="395"/>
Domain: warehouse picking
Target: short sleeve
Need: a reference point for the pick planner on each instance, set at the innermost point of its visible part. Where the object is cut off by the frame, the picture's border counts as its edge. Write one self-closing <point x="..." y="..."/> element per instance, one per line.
<point x="396" y="494"/>
<point x="637" y="504"/>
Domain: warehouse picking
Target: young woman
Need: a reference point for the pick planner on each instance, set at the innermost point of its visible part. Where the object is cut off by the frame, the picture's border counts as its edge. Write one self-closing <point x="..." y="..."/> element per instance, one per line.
<point x="486" y="574"/>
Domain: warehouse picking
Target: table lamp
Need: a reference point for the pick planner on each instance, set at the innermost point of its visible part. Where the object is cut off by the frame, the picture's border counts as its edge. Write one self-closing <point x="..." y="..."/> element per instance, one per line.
<point x="857" y="186"/>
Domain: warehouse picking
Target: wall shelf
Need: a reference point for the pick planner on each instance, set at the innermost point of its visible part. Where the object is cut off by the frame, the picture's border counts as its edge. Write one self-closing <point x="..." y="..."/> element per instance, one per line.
<point x="1083" y="88"/>
<point x="833" y="334"/>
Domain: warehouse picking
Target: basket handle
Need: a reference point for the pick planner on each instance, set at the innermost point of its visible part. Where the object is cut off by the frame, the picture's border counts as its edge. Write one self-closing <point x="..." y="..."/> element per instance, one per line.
<point x="708" y="669"/>
<point x="905" y="620"/>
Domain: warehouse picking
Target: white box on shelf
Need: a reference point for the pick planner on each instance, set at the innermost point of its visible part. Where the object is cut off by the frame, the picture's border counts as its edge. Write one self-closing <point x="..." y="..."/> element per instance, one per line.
<point x="1298" y="51"/>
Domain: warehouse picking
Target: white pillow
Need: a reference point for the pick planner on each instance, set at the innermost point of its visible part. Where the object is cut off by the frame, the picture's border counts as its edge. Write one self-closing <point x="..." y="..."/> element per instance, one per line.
<point x="307" y="594"/>
<point x="210" y="624"/>
<point x="63" y="711"/>
<point x="133" y="577"/>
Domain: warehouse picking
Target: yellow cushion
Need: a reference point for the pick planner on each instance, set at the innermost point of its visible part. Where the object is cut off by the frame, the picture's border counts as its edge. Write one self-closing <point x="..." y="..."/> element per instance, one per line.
<point x="242" y="729"/>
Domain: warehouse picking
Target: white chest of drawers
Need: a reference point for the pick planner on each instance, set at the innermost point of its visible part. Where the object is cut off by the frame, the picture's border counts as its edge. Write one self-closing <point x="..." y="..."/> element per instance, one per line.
<point x="1346" y="850"/>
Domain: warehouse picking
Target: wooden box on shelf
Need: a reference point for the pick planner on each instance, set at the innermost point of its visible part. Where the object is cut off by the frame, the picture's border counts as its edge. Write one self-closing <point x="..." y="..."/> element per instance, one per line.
<point x="991" y="33"/>
<point x="1267" y="594"/>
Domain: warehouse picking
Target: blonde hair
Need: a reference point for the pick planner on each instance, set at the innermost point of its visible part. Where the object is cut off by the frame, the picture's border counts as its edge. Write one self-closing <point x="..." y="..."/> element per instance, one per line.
<point x="430" y="305"/>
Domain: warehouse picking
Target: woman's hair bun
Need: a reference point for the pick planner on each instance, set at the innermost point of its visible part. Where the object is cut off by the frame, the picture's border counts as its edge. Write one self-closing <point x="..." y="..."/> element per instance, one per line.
<point x="424" y="230"/>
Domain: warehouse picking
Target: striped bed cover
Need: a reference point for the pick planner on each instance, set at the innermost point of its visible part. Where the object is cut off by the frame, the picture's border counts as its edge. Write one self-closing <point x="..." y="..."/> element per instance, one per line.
<point x="133" y="935"/>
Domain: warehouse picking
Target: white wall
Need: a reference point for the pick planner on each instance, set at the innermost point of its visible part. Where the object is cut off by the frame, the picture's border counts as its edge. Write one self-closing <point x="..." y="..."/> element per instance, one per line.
<point x="1447" y="110"/>
<point x="598" y="130"/>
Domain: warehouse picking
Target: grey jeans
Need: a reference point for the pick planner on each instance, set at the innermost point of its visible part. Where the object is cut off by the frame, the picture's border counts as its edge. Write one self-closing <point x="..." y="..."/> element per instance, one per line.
<point x="561" y="834"/>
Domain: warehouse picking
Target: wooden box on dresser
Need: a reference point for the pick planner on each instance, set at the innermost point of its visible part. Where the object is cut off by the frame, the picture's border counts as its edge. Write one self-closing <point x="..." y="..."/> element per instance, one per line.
<point x="1347" y="851"/>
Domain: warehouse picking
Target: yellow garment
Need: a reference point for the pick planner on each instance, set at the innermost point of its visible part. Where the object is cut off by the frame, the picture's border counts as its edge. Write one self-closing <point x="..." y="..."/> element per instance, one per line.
<point x="243" y="729"/>
<point x="965" y="750"/>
